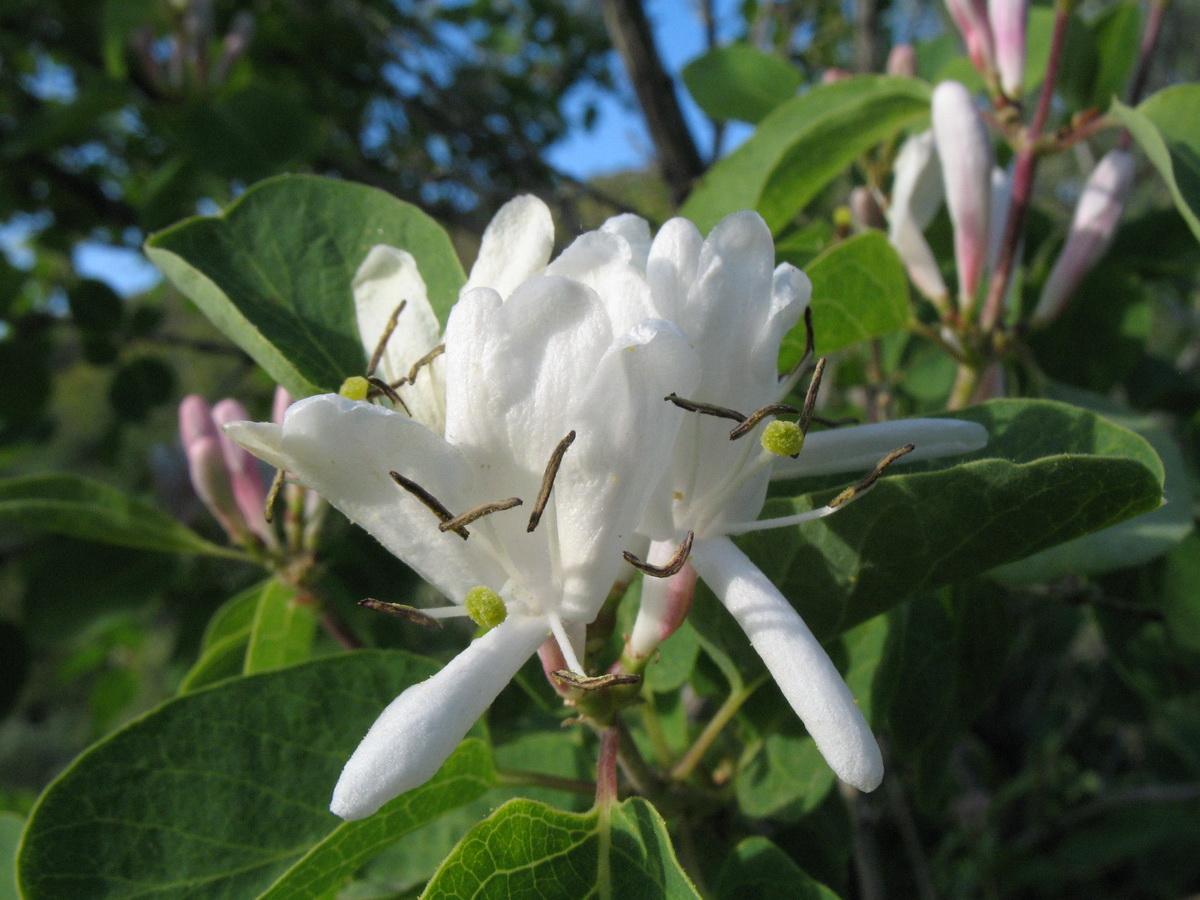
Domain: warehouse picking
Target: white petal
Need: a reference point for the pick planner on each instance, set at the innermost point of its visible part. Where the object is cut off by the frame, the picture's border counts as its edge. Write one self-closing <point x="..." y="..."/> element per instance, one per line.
<point x="604" y="262"/>
<point x="626" y="436"/>
<point x="412" y="737"/>
<point x="859" y="447"/>
<point x="798" y="663"/>
<point x="516" y="246"/>
<point x="671" y="267"/>
<point x="918" y="259"/>
<point x="917" y="191"/>
<point x="386" y="277"/>
<point x="344" y="450"/>
<point x="636" y="233"/>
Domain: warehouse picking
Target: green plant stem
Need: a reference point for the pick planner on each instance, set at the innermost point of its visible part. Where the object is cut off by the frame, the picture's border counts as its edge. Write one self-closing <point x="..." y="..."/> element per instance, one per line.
<point x="639" y="775"/>
<point x="653" y="725"/>
<point x="687" y="764"/>
<point x="519" y="778"/>
<point x="966" y="383"/>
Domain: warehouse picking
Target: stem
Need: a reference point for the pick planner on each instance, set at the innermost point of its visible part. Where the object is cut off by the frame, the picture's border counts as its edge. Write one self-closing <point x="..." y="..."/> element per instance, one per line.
<point x="519" y="778"/>
<point x="653" y="725"/>
<point x="1023" y="178"/>
<point x="637" y="772"/>
<point x="720" y="719"/>
<point x="606" y="768"/>
<point x="1146" y="52"/>
<point x="966" y="383"/>
<point x="338" y="628"/>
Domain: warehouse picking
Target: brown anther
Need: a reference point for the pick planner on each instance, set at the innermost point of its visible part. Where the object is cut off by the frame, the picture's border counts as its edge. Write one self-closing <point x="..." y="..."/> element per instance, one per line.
<point x="567" y="678"/>
<point x="382" y="387"/>
<point x="384" y="338"/>
<point x="810" y="399"/>
<point x="400" y="611"/>
<point x="457" y="523"/>
<point x="674" y="564"/>
<point x="435" y="506"/>
<point x="421" y="363"/>
<point x="856" y="490"/>
<point x="810" y="344"/>
<point x="707" y="409"/>
<point x="548" y="477"/>
<point x="771" y="409"/>
<point x="269" y="505"/>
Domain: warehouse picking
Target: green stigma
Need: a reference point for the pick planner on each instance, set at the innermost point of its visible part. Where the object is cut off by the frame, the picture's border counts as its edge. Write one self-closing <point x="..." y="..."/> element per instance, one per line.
<point x="485" y="607"/>
<point x="355" y="388"/>
<point x="782" y="438"/>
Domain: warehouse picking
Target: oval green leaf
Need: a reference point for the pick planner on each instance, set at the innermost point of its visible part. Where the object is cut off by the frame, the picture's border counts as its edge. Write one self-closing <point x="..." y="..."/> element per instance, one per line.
<point x="740" y="82"/>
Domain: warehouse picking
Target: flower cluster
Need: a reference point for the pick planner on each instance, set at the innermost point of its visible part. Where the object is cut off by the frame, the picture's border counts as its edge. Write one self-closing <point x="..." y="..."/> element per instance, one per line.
<point x="581" y="390"/>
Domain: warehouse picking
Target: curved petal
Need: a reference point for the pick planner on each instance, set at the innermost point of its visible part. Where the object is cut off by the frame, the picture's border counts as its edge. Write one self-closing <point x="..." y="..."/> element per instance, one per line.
<point x="344" y="450"/>
<point x="386" y="277"/>
<point x="917" y="191"/>
<point x="671" y="266"/>
<point x="604" y="262"/>
<point x="626" y="435"/>
<point x="516" y="246"/>
<point x="859" y="447"/>
<point x="412" y="737"/>
<point x="798" y="663"/>
<point x="636" y="232"/>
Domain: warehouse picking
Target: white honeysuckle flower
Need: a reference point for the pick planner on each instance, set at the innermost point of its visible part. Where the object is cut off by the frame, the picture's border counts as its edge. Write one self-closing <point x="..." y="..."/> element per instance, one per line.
<point x="522" y="372"/>
<point x="516" y="245"/>
<point x="917" y="195"/>
<point x="735" y="306"/>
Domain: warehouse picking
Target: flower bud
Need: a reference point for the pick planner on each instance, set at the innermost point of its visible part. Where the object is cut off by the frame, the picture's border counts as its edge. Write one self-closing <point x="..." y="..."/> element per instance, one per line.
<point x="248" y="488"/>
<point x="966" y="155"/>
<point x="865" y="209"/>
<point x="210" y="479"/>
<point x="971" y="17"/>
<point x="664" y="605"/>
<point x="917" y="194"/>
<point x="902" y="61"/>
<point x="1009" y="21"/>
<point x="1092" y="229"/>
<point x="280" y="404"/>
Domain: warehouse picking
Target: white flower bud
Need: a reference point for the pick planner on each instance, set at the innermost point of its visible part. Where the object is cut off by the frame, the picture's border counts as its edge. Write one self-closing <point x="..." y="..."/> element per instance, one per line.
<point x="1009" y="22"/>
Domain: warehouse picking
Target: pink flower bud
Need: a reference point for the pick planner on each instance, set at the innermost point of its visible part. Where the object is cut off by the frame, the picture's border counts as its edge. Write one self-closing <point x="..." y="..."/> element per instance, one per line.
<point x="966" y="155"/>
<point x="1092" y="229"/>
<point x="248" y="487"/>
<point x="280" y="405"/>
<point x="829" y="76"/>
<point x="210" y="479"/>
<point x="972" y="20"/>
<point x="665" y="602"/>
<point x="551" y="657"/>
<point x="1009" y="21"/>
<point x="902" y="61"/>
<point x="865" y="208"/>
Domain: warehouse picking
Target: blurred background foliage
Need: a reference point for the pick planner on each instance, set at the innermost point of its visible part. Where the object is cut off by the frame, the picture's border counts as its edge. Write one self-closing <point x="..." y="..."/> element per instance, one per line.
<point x="1070" y="767"/>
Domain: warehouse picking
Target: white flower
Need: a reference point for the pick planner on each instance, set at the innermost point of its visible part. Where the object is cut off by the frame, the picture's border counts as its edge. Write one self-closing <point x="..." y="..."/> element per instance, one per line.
<point x="735" y="306"/>
<point x="521" y="373"/>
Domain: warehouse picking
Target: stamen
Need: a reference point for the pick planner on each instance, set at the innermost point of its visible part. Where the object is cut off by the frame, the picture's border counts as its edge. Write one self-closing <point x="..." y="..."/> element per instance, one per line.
<point x="432" y="502"/>
<point x="771" y="409"/>
<point x="400" y="611"/>
<point x="384" y="338"/>
<point x="421" y="363"/>
<point x="269" y="506"/>
<point x="382" y="387"/>
<point x="707" y="409"/>
<point x="571" y="679"/>
<point x="456" y="523"/>
<point x="856" y="490"/>
<point x="810" y="399"/>
<point x="810" y="344"/>
<point x="548" y="477"/>
<point x="674" y="564"/>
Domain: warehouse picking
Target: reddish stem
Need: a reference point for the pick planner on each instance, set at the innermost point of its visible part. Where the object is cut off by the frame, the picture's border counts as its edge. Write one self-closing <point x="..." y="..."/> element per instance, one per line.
<point x="606" y="768"/>
<point x="1146" y="53"/>
<point x="1023" y="175"/>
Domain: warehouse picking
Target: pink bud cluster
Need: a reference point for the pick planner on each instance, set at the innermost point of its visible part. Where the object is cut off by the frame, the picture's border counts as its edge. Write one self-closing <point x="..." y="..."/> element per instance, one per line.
<point x="225" y="477"/>
<point x="994" y="32"/>
<point x="186" y="60"/>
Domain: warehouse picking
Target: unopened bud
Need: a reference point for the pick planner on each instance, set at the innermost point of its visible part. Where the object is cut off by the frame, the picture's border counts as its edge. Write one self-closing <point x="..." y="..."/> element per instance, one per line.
<point x="865" y="208"/>
<point x="280" y="404"/>
<point x="782" y="438"/>
<point x="971" y="17"/>
<point x="902" y="61"/>
<point x="829" y="76"/>
<point x="1092" y="229"/>
<point x="664" y="604"/>
<point x="917" y="194"/>
<point x="966" y="155"/>
<point x="248" y="488"/>
<point x="355" y="388"/>
<point x="485" y="607"/>
<point x="210" y="480"/>
<point x="1009" y="21"/>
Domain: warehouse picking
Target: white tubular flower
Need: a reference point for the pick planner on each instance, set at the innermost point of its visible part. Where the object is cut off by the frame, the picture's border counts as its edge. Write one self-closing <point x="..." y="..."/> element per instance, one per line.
<point x="735" y="307"/>
<point x="1009" y="21"/>
<point x="916" y="197"/>
<point x="541" y="391"/>
<point x="1092" y="229"/>
<point x="966" y="155"/>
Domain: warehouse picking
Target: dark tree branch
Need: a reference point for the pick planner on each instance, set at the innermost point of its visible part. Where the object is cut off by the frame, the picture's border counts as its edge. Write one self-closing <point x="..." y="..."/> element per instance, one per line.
<point x="630" y="34"/>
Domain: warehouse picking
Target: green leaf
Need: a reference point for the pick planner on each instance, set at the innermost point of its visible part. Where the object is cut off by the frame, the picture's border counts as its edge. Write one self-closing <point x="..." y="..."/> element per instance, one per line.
<point x="80" y="508"/>
<point x="11" y="826"/>
<point x="1116" y="33"/>
<point x="223" y="648"/>
<point x="282" y="631"/>
<point x="224" y="792"/>
<point x="274" y="270"/>
<point x="1167" y="126"/>
<point x="860" y="292"/>
<point x="1129" y="543"/>
<point x="1051" y="472"/>
<point x="803" y="145"/>
<point x="740" y="82"/>
<point x="758" y="870"/>
<point x="528" y="849"/>
<point x="787" y="777"/>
